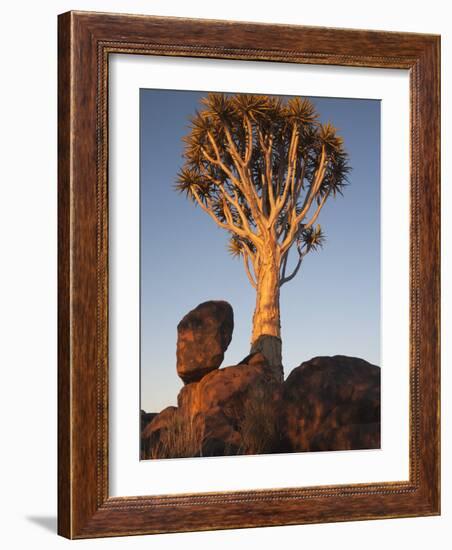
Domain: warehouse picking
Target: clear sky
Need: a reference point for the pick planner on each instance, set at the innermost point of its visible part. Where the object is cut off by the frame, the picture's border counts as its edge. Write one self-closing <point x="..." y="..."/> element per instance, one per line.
<point x="331" y="307"/>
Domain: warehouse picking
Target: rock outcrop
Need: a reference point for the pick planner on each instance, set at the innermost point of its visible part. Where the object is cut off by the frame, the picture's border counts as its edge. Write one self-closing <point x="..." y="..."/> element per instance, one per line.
<point x="331" y="404"/>
<point x="229" y="411"/>
<point x="203" y="336"/>
<point x="325" y="404"/>
<point x="229" y="401"/>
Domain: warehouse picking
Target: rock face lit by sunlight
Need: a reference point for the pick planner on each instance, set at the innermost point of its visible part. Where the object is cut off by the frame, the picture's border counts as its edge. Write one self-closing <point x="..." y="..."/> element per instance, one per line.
<point x="325" y="404"/>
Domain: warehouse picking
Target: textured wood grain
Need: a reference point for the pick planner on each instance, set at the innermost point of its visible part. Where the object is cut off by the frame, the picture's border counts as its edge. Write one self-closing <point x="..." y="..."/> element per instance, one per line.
<point x="85" y="42"/>
<point x="64" y="296"/>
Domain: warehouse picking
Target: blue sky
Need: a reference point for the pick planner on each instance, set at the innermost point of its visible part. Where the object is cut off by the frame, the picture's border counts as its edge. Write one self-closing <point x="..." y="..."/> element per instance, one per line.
<point x="332" y="306"/>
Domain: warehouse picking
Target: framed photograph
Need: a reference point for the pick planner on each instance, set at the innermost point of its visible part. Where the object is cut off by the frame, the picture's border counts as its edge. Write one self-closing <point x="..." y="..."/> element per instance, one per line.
<point x="248" y="275"/>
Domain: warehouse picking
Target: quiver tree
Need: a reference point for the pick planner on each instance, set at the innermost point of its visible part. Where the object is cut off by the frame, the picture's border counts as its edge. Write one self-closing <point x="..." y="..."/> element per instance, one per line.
<point x="262" y="168"/>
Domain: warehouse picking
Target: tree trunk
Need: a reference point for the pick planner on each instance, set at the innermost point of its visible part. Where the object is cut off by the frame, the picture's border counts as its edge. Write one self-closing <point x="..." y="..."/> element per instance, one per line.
<point x="266" y="337"/>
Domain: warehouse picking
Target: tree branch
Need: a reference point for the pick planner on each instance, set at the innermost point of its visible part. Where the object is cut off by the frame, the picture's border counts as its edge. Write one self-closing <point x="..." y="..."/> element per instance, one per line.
<point x="296" y="220"/>
<point x="294" y="272"/>
<point x="249" y="149"/>
<point x="317" y="212"/>
<point x="228" y="214"/>
<point x="284" y="266"/>
<point x="299" y="184"/>
<point x="267" y="179"/>
<point x="247" y="269"/>
<point x="301" y="255"/>
<point x="245" y="186"/>
<point x="221" y="164"/>
<point x="230" y="226"/>
<point x="289" y="184"/>
<point x="234" y="201"/>
<point x="314" y="187"/>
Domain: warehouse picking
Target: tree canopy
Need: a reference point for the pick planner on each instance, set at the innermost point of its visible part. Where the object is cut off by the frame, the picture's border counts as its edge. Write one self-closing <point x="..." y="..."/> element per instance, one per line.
<point x="262" y="168"/>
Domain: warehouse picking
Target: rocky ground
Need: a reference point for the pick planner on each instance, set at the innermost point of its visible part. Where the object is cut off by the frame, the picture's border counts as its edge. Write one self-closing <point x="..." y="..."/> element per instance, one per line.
<point x="325" y="404"/>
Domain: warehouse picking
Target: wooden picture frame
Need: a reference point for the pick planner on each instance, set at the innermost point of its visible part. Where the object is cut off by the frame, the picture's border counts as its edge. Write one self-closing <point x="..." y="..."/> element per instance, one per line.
<point x="85" y="42"/>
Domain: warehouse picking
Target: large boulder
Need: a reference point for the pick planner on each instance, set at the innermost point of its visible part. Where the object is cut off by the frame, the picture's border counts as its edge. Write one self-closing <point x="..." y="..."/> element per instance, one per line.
<point x="237" y="407"/>
<point x="226" y="387"/>
<point x="331" y="404"/>
<point x="203" y="336"/>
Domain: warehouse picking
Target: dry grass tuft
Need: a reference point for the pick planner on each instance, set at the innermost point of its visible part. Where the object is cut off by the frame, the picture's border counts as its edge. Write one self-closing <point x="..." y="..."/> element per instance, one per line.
<point x="181" y="438"/>
<point x="259" y="426"/>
